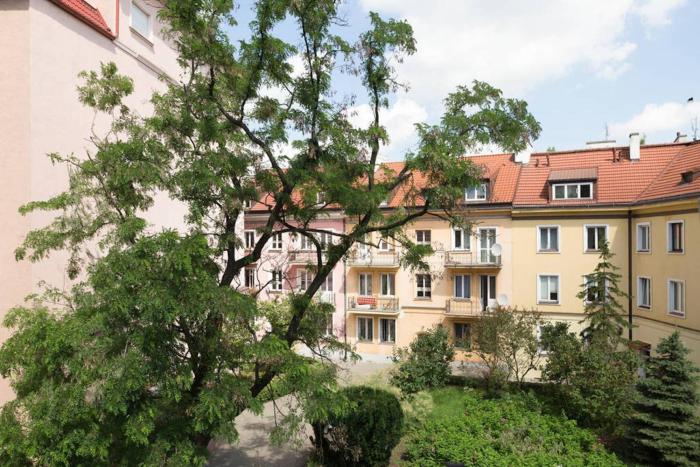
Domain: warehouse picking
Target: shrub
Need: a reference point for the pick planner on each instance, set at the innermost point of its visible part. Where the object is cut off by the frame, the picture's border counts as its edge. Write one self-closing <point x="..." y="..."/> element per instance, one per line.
<point x="425" y="363"/>
<point x="363" y="435"/>
<point x="501" y="432"/>
<point x="665" y="430"/>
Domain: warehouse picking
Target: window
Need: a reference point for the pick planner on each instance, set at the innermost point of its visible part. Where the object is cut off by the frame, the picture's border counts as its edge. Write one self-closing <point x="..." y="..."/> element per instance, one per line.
<point x="327" y="285"/>
<point x="325" y="239"/>
<point x="247" y="204"/>
<point x="388" y="282"/>
<point x="572" y="190"/>
<point x="276" y="241"/>
<point x="487" y="238"/>
<point x="676" y="297"/>
<point x="476" y="193"/>
<point x="387" y="330"/>
<point x="463" y="284"/>
<point x="365" y="284"/>
<point x="423" y="237"/>
<point x="249" y="279"/>
<point x="595" y="293"/>
<point x="548" y="289"/>
<point x="643" y="243"/>
<point x="305" y="243"/>
<point x="675" y="237"/>
<point x="460" y="239"/>
<point x="276" y="283"/>
<point x="384" y="244"/>
<point x="304" y="280"/>
<point x="594" y="235"/>
<point x="320" y="197"/>
<point x="249" y="237"/>
<point x="140" y="20"/>
<point x="548" y="238"/>
<point x="365" y="329"/>
<point x="644" y="292"/>
<point x="423" y="286"/>
<point x="463" y="335"/>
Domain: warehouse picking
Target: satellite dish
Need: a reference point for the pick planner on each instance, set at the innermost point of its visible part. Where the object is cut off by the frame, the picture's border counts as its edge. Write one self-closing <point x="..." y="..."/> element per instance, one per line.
<point x="503" y="299"/>
<point x="496" y="249"/>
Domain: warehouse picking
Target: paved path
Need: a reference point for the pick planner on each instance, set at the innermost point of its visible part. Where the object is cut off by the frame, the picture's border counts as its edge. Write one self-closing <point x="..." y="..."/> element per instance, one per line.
<point x="254" y="448"/>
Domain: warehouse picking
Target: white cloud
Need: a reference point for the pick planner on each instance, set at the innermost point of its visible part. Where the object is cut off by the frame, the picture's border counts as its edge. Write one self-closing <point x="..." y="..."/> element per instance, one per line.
<point x="514" y="44"/>
<point x="659" y="122"/>
<point x="398" y="119"/>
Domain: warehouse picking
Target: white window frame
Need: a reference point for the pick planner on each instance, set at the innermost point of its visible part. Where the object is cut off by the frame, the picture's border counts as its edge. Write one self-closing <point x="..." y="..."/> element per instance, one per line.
<point x="391" y="284"/>
<point x="392" y="337"/>
<point x="364" y="281"/>
<point x="320" y="198"/>
<point x="327" y="284"/>
<point x="669" y="237"/>
<point x="539" y="238"/>
<point x="249" y="235"/>
<point x="304" y="279"/>
<point x="468" y="289"/>
<point x="585" y="283"/>
<point x="477" y="193"/>
<point x="479" y="248"/>
<point x="465" y="238"/>
<point x="566" y="190"/>
<point x="678" y="313"/>
<point x="647" y="226"/>
<point x="365" y="320"/>
<point x="459" y="340"/>
<point x="548" y="301"/>
<point x="249" y="276"/>
<point x="276" y="242"/>
<point x="423" y="241"/>
<point x="276" y="282"/>
<point x="424" y="292"/>
<point x="639" y="294"/>
<point x="247" y="203"/>
<point x="325" y="238"/>
<point x="385" y="245"/>
<point x="305" y="243"/>
<point x="597" y="242"/>
<point x="149" y="21"/>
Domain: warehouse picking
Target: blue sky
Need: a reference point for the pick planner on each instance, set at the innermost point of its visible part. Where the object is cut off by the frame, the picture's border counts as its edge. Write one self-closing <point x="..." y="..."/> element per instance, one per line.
<point x="580" y="64"/>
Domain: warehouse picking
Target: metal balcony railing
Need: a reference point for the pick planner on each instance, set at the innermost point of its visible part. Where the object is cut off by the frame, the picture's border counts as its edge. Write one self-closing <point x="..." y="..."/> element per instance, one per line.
<point x="373" y="303"/>
<point x="304" y="257"/>
<point x="465" y="258"/>
<point x="464" y="307"/>
<point x="376" y="259"/>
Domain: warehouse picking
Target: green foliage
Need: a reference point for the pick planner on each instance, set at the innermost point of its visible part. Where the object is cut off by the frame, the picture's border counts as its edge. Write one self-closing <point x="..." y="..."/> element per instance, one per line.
<point x="597" y="382"/>
<point x="500" y="432"/>
<point x="364" y="434"/>
<point x="155" y="350"/>
<point x="425" y="363"/>
<point x="506" y="340"/>
<point x="665" y="429"/>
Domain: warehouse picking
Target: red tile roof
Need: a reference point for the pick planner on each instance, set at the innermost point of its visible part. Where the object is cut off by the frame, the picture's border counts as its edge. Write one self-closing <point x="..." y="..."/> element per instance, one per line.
<point x="87" y="14"/>
<point x="670" y="183"/>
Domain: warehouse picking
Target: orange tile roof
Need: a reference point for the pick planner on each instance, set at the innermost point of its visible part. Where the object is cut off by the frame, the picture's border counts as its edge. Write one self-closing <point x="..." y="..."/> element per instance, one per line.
<point x="87" y="14"/>
<point x="670" y="183"/>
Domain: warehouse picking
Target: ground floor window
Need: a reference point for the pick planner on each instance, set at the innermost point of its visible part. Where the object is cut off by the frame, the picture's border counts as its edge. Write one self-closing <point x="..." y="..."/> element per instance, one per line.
<point x="463" y="335"/>
<point x="365" y="329"/>
<point x="387" y="330"/>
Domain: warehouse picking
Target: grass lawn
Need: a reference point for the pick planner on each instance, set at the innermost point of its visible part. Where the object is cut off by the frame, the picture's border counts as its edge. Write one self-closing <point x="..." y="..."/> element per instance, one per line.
<point x="457" y="424"/>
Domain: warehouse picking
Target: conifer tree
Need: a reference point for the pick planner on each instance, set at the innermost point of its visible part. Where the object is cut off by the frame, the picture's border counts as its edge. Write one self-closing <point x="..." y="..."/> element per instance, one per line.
<point x="665" y="429"/>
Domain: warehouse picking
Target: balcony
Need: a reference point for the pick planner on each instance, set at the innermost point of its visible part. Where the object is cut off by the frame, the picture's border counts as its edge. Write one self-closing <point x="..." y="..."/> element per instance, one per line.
<point x="468" y="259"/>
<point x="373" y="259"/>
<point x="304" y="257"/>
<point x="373" y="304"/>
<point x="463" y="307"/>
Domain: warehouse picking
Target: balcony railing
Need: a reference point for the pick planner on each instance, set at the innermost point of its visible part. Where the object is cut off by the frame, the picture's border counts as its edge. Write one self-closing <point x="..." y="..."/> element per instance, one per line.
<point x="464" y="307"/>
<point x="304" y="257"/>
<point x="465" y="259"/>
<point x="373" y="304"/>
<point x="325" y="297"/>
<point x="373" y="259"/>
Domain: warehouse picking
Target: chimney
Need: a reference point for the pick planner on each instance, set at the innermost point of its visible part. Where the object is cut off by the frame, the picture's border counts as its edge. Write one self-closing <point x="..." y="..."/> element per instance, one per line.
<point x="634" y="146"/>
<point x="680" y="138"/>
<point x="523" y="157"/>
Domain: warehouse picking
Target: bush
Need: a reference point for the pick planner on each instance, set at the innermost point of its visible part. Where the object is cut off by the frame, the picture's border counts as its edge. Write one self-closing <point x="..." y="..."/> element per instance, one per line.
<point x="425" y="363"/>
<point x="500" y="432"/>
<point x="363" y="435"/>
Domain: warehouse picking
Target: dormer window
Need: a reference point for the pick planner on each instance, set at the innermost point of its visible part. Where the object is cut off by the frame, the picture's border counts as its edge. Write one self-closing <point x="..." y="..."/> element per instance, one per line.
<point x="140" y="20"/>
<point x="578" y="190"/>
<point x="320" y="198"/>
<point x="476" y="193"/>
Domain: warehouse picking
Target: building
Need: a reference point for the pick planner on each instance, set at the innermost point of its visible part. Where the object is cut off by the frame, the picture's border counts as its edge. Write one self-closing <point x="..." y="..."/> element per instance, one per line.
<point x="537" y="226"/>
<point x="44" y="45"/>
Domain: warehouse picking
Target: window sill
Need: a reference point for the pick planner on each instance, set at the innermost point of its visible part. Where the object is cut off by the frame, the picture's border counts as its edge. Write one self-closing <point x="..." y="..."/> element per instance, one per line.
<point x="644" y="307"/>
<point x="548" y="252"/>
<point x="540" y="302"/>
<point x="643" y="252"/>
<point x="423" y="299"/>
<point x="675" y="252"/>
<point x="140" y="36"/>
<point x="676" y="314"/>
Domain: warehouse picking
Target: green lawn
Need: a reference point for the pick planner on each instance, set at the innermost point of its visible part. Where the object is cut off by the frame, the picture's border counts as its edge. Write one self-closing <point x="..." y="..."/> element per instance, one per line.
<point x="462" y="426"/>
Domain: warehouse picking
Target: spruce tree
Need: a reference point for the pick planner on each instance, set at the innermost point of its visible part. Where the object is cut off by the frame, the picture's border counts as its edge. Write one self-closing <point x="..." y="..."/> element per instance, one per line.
<point x="665" y="430"/>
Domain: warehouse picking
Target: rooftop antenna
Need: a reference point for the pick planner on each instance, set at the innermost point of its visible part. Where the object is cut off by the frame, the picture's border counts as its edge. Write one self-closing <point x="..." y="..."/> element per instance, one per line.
<point x="607" y="132"/>
<point x="693" y="122"/>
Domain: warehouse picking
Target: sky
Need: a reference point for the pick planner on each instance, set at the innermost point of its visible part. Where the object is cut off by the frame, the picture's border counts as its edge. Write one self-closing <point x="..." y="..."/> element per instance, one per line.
<point x="583" y="66"/>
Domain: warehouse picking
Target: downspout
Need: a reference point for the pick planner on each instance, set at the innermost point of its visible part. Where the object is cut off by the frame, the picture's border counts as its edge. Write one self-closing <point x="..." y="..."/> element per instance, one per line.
<point x="629" y="273"/>
<point x="116" y="20"/>
<point x="345" y="302"/>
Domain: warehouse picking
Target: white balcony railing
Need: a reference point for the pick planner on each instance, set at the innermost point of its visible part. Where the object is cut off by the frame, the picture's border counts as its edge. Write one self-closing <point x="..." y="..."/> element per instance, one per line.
<point x="377" y="259"/>
<point x="373" y="303"/>
<point x="464" y="307"/>
<point x="464" y="258"/>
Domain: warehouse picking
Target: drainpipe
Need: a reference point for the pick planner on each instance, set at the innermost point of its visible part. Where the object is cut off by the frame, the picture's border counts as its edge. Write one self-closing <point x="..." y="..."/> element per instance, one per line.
<point x="629" y="273"/>
<point x="116" y="21"/>
<point x="345" y="302"/>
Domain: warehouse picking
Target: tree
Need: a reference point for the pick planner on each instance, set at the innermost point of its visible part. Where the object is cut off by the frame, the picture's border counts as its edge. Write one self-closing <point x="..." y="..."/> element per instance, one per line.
<point x="425" y="363"/>
<point x="154" y="352"/>
<point x="665" y="429"/>
<point x="601" y="295"/>
<point x="506" y="340"/>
